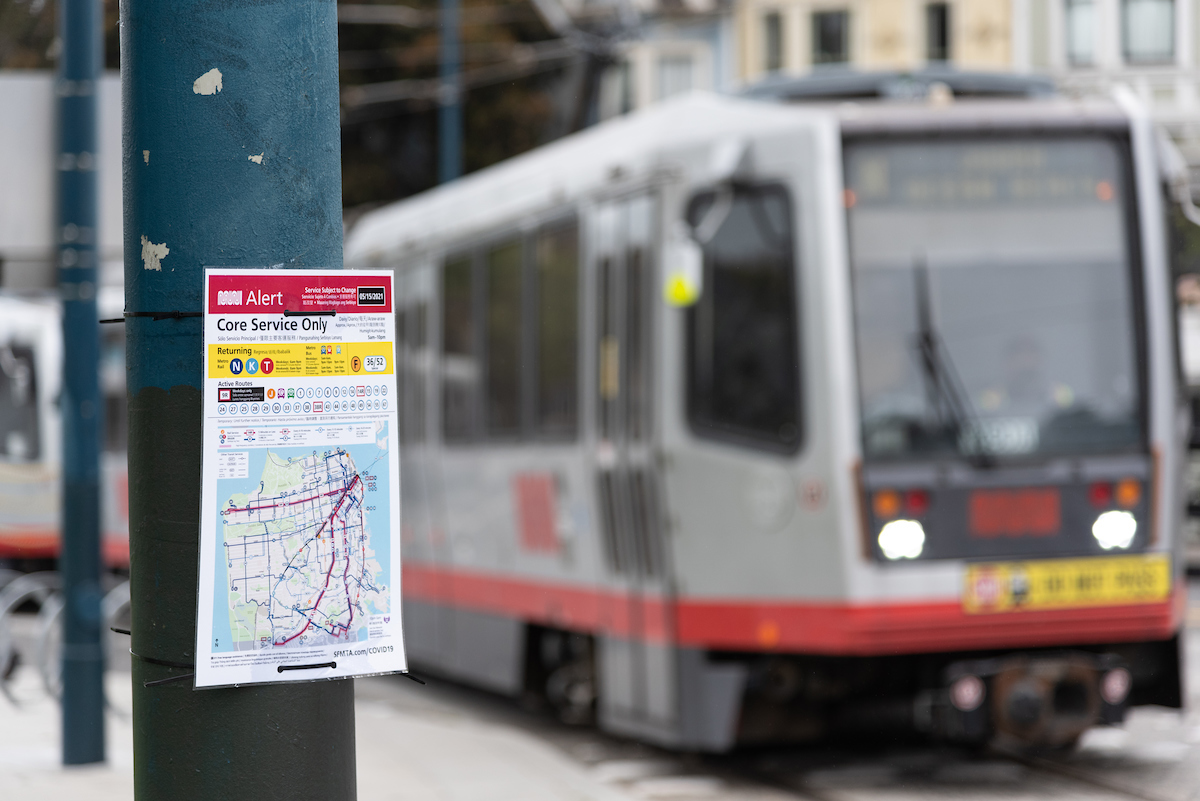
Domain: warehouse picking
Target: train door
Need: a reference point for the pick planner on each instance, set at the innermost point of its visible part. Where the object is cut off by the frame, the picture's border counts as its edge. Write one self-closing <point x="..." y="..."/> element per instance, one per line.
<point x="634" y="658"/>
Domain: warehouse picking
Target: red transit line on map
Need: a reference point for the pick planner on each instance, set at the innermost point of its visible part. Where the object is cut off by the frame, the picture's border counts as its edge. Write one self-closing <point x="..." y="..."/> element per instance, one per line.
<point x="332" y="516"/>
<point x="289" y="503"/>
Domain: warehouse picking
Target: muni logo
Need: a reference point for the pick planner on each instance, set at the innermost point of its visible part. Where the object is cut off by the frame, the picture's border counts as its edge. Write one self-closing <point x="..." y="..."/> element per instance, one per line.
<point x="229" y="297"/>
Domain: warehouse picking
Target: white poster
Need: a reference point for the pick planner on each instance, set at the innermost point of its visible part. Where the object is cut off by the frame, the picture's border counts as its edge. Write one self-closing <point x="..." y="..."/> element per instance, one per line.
<point x="300" y="516"/>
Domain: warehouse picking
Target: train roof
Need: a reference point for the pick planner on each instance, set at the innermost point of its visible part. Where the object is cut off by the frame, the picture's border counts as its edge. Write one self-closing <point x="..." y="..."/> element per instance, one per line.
<point x="937" y="98"/>
<point x="845" y="84"/>
<point x="562" y="171"/>
<point x="637" y="144"/>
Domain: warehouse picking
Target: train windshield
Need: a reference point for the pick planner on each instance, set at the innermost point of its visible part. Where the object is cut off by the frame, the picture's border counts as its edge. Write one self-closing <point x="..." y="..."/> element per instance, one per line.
<point x="993" y="297"/>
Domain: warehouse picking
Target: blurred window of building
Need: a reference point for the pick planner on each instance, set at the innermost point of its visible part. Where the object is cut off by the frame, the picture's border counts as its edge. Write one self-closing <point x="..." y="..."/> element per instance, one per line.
<point x="557" y="288"/>
<point x="675" y="74"/>
<point x="460" y="365"/>
<point x="743" y="378"/>
<point x="503" y="321"/>
<point x="773" y="41"/>
<point x="831" y="37"/>
<point x="1081" y="32"/>
<point x="624" y="87"/>
<point x="937" y="32"/>
<point x="1148" y="31"/>
<point x="616" y="90"/>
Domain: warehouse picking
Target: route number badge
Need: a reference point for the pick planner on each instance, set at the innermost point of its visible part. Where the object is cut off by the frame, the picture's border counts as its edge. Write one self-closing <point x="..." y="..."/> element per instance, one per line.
<point x="300" y="514"/>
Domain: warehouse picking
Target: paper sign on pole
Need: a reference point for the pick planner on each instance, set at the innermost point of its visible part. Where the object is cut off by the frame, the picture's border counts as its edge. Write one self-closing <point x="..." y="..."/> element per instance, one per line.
<point x="300" y="515"/>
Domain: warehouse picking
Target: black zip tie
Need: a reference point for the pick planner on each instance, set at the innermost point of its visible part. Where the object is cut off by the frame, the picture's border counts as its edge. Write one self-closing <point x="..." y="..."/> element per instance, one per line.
<point x="282" y="668"/>
<point x="408" y="675"/>
<point x="155" y="316"/>
<point x="167" y="680"/>
<point x="119" y="631"/>
<point x="163" y="662"/>
<point x="330" y="313"/>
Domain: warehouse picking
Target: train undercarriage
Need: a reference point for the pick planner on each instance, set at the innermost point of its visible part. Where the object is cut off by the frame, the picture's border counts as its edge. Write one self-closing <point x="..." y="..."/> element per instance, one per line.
<point x="1034" y="699"/>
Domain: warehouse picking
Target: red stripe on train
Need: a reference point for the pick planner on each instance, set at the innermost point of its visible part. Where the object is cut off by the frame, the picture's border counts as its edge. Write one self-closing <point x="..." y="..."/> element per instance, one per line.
<point x="820" y="628"/>
<point x="43" y="543"/>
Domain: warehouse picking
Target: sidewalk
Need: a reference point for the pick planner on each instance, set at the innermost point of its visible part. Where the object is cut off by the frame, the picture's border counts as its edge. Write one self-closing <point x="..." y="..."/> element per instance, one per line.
<point x="30" y="749"/>
<point x="426" y="754"/>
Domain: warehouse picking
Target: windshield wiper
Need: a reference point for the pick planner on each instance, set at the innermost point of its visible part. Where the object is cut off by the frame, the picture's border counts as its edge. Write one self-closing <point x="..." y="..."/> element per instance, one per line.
<point x="942" y="383"/>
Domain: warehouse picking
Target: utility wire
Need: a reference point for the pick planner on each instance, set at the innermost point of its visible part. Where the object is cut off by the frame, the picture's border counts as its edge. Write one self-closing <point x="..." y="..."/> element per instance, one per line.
<point x="408" y="17"/>
<point x="538" y="57"/>
<point x="408" y="57"/>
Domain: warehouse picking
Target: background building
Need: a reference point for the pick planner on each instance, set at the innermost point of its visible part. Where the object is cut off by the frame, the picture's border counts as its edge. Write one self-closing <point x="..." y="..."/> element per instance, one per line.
<point x="1089" y="46"/>
<point x="797" y="36"/>
<point x="668" y="47"/>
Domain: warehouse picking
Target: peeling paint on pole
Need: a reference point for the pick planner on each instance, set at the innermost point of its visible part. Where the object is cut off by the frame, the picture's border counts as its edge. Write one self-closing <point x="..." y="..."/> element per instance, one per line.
<point x="209" y="83"/>
<point x="153" y="254"/>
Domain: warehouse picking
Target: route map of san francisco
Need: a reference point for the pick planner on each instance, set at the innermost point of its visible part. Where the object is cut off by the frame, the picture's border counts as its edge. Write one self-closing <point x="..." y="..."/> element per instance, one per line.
<point x="300" y="567"/>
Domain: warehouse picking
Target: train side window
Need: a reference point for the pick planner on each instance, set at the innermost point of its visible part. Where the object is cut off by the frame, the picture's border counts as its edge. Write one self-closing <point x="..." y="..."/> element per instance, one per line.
<point x="402" y="368"/>
<point x="1183" y="238"/>
<point x="556" y="266"/>
<point x="418" y="342"/>
<point x="460" y="364"/>
<point x="18" y="403"/>
<point x="503" y="320"/>
<point x="112" y="383"/>
<point x="743" y="381"/>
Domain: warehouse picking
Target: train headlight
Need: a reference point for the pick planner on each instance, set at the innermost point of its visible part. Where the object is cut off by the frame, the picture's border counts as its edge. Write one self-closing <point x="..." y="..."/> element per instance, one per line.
<point x="1115" y="686"/>
<point x="1114" y="530"/>
<point x="966" y="693"/>
<point x="902" y="539"/>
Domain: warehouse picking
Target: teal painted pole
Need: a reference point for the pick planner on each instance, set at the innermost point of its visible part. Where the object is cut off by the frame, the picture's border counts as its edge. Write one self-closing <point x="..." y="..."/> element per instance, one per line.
<point x="82" y="654"/>
<point x="450" y="109"/>
<point x="231" y="158"/>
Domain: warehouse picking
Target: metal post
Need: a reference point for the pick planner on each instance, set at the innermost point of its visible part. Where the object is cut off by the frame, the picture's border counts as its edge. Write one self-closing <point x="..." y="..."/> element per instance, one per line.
<point x="82" y="656"/>
<point x="231" y="158"/>
<point x="450" y="111"/>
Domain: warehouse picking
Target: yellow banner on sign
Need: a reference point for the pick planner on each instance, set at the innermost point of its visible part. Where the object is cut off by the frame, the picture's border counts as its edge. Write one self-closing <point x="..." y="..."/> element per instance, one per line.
<point x="1066" y="583"/>
<point x="300" y="360"/>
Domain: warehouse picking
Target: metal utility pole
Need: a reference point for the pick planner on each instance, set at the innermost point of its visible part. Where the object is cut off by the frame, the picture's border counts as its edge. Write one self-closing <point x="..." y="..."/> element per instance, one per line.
<point x="450" y="110"/>
<point x="82" y="656"/>
<point x="231" y="158"/>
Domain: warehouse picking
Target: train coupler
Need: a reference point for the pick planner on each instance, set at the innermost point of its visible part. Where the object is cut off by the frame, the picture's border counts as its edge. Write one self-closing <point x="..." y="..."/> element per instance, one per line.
<point x="1026" y="700"/>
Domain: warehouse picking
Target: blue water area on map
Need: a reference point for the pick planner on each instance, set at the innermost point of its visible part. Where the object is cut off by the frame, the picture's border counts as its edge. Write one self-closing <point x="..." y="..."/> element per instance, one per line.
<point x="368" y="458"/>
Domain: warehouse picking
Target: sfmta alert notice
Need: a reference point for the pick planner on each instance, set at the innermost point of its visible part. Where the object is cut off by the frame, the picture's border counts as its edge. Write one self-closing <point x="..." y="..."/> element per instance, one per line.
<point x="300" y="517"/>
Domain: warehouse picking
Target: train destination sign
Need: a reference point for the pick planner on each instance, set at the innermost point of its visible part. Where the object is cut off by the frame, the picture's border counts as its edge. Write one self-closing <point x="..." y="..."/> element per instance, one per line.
<point x="300" y="507"/>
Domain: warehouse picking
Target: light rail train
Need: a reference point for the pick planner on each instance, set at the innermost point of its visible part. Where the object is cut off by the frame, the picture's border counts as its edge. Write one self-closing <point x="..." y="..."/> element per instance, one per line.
<point x="31" y="352"/>
<point x="734" y="422"/>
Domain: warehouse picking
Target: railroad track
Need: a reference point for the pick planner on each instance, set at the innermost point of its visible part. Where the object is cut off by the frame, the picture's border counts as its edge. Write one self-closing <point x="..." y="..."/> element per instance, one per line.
<point x="918" y="771"/>
<point x="796" y="782"/>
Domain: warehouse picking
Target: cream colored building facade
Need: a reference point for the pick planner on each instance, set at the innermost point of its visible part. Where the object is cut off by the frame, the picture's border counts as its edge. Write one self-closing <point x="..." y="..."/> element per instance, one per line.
<point x="880" y="35"/>
<point x="1090" y="46"/>
<point x="1086" y="46"/>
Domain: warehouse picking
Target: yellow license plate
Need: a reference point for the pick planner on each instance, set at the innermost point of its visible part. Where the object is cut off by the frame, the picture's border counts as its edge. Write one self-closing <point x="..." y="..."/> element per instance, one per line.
<point x="1066" y="583"/>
